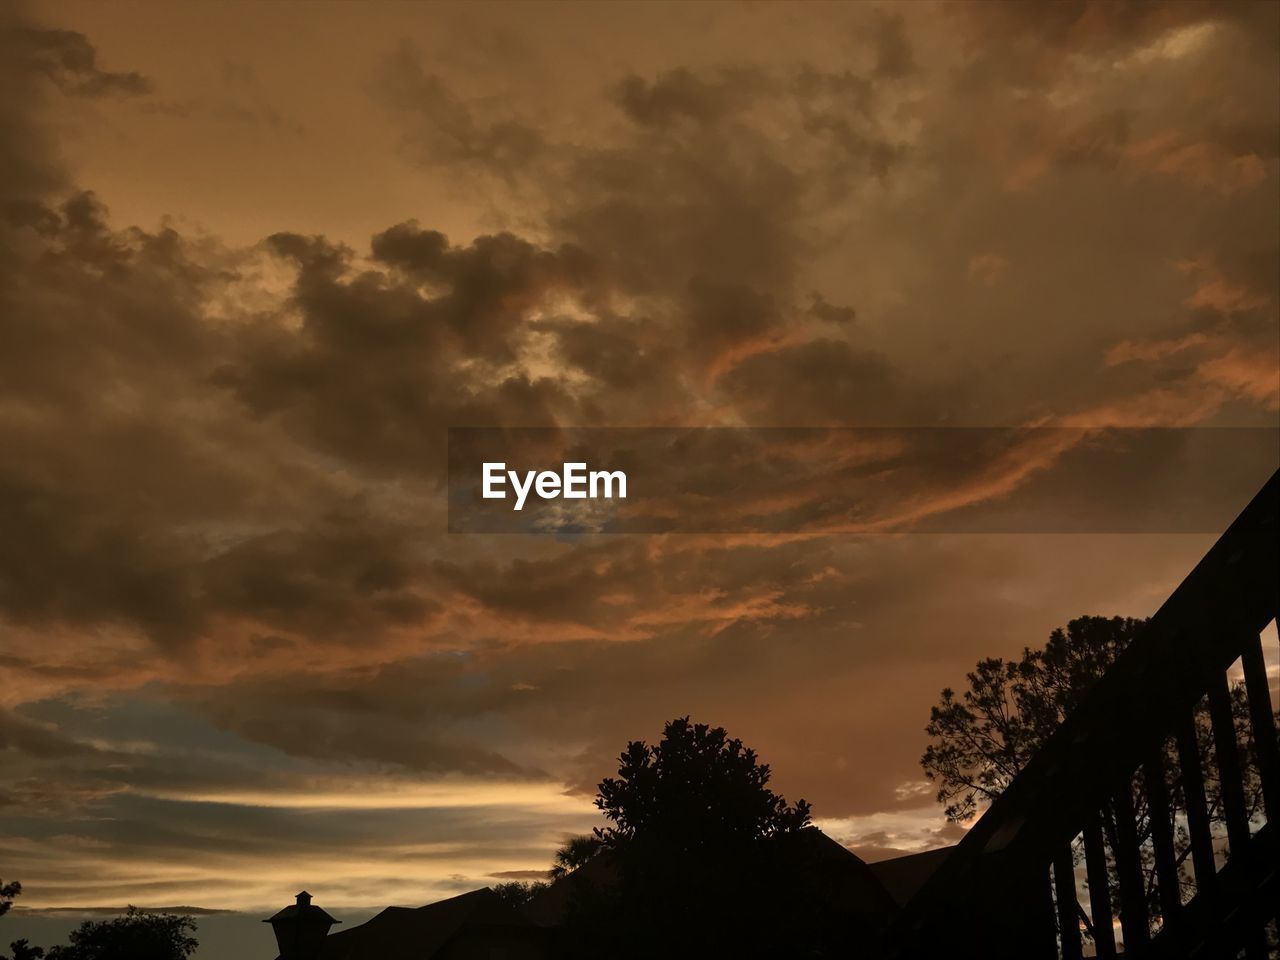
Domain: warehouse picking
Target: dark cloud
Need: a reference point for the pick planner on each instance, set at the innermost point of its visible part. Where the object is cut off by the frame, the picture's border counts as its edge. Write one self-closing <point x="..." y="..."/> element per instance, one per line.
<point x="894" y="57"/>
<point x="830" y="312"/>
<point x="444" y="129"/>
<point x="33" y="739"/>
<point x="383" y="360"/>
<point x="707" y="187"/>
<point x="680" y="95"/>
<point x="1096" y="25"/>
<point x="621" y="356"/>
<point x="1028" y="46"/>
<point x="823" y="382"/>
<point x="28" y="162"/>
<point x="71" y="62"/>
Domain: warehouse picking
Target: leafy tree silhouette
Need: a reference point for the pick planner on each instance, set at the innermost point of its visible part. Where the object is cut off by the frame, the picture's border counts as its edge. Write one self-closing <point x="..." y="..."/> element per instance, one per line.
<point x="138" y="935"/>
<point x="516" y="893"/>
<point x="576" y="852"/>
<point x="696" y="790"/>
<point x="22" y="950"/>
<point x="690" y="824"/>
<point x="985" y="736"/>
<point x="8" y="892"/>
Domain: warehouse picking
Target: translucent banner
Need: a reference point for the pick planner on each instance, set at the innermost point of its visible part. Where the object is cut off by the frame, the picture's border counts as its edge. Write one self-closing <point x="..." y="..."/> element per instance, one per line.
<point x="870" y="480"/>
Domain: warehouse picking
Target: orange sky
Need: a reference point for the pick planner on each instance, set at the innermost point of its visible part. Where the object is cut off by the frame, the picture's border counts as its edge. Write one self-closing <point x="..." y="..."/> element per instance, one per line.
<point x="238" y="653"/>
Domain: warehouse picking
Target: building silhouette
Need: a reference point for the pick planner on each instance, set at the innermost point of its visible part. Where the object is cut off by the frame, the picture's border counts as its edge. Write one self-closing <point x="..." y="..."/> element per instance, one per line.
<point x="301" y="929"/>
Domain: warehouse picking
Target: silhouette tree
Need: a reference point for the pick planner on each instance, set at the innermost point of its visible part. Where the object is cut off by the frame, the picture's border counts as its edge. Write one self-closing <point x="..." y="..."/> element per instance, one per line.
<point x="985" y="736"/>
<point x="691" y="825"/>
<point x="576" y="852"/>
<point x="8" y="892"/>
<point x="138" y="935"/>
<point x="22" y="950"/>
<point x="516" y="893"/>
<point x="696" y="790"/>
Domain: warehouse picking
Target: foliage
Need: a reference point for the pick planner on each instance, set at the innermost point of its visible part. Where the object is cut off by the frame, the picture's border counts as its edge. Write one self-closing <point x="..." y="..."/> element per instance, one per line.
<point x="695" y="790"/>
<point x="8" y="891"/>
<point x="984" y="737"/>
<point x="138" y="935"/>
<point x="575" y="852"/>
<point x="516" y="893"/>
<point x="690" y="843"/>
<point x="22" y="950"/>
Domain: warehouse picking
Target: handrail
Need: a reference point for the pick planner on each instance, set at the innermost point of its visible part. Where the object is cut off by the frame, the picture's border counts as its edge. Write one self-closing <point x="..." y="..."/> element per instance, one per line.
<point x="992" y="897"/>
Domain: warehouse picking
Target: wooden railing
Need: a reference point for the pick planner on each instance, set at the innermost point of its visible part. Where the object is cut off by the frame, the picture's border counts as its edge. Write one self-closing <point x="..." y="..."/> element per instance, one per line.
<point x="1163" y="786"/>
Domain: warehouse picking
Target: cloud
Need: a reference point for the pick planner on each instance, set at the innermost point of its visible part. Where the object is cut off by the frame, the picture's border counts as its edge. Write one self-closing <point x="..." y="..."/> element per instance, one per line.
<point x="680" y="95"/>
<point x="822" y="382"/>
<point x="68" y="59"/>
<point x="445" y="129"/>
<point x="34" y="739"/>
<point x="1227" y="348"/>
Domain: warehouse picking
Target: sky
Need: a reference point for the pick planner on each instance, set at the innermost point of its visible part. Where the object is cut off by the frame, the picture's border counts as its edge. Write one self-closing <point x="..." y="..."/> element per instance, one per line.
<point x="255" y="261"/>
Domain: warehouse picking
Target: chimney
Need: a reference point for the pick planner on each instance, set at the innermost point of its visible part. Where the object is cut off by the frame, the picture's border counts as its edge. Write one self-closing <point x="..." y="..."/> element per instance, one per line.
<point x="300" y="929"/>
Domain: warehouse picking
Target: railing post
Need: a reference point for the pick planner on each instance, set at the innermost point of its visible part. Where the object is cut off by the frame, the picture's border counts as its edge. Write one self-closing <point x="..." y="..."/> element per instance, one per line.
<point x="1064" y="879"/>
<point x="1197" y="807"/>
<point x="1227" y="747"/>
<point x="1159" y="813"/>
<point x="1095" y="860"/>
<point x="1133" y="894"/>
<point x="1231" y="777"/>
<point x="1046" y="944"/>
<point x="1262" y="722"/>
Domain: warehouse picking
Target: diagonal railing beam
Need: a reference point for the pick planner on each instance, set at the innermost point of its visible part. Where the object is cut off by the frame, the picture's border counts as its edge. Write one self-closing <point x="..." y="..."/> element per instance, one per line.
<point x="1153" y="686"/>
